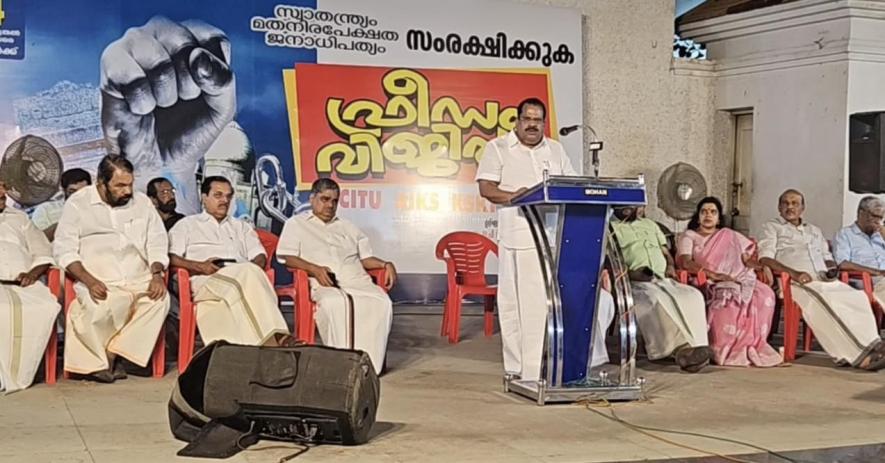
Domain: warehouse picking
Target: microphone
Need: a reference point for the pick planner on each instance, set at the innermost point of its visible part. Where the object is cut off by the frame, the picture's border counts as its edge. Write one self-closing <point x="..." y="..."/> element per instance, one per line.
<point x="567" y="130"/>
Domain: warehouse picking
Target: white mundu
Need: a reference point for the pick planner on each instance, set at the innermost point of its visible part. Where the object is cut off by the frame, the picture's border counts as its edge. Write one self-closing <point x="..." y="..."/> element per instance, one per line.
<point x="839" y="315"/>
<point x="238" y="303"/>
<point x="341" y="246"/>
<point x="117" y="246"/>
<point x="670" y="315"/>
<point x="522" y="302"/>
<point x="27" y="314"/>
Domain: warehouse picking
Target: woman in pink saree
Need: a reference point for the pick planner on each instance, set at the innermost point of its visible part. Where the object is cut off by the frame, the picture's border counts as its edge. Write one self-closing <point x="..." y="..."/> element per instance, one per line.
<point x="739" y="307"/>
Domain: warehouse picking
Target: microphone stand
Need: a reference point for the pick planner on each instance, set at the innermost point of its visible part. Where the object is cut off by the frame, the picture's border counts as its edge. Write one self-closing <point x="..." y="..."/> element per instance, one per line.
<point x="594" y="147"/>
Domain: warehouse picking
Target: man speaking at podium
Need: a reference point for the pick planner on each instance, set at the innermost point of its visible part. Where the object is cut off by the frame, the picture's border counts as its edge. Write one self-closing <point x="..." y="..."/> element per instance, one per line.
<point x="510" y="164"/>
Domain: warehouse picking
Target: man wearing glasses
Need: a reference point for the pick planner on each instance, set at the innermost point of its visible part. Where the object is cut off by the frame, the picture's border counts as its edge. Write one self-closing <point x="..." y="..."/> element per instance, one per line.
<point x="860" y="247"/>
<point x="839" y="315"/>
<point x="162" y="194"/>
<point x="510" y="164"/>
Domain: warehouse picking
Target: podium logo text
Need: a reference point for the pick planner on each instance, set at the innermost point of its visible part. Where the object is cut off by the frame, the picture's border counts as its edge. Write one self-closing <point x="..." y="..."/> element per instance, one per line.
<point x="595" y="192"/>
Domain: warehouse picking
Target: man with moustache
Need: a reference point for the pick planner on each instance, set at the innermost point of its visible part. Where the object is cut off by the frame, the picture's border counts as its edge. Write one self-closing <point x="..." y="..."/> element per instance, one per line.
<point x="671" y="316"/>
<point x="839" y="315"/>
<point x="509" y="165"/>
<point x="112" y="242"/>
<point x="234" y="299"/>
<point x="336" y="255"/>
<point x="162" y="194"/>
<point x="27" y="308"/>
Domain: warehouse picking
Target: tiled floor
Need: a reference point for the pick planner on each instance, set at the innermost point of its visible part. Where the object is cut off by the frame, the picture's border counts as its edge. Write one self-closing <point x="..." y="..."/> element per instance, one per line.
<point x="444" y="402"/>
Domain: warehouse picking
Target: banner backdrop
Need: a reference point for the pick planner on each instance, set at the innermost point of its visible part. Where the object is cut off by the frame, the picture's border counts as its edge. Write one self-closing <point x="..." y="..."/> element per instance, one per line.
<point x="394" y="99"/>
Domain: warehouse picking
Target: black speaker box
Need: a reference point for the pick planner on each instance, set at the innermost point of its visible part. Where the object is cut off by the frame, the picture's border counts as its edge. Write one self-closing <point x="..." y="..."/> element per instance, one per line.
<point x="866" y="148"/>
<point x="305" y="394"/>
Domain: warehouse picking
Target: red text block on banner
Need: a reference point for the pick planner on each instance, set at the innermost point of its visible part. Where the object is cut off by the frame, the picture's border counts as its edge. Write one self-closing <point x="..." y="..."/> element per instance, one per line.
<point x="358" y="124"/>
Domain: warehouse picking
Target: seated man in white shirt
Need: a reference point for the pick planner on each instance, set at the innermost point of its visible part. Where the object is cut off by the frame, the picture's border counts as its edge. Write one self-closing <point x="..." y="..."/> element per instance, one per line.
<point x="112" y="242"/>
<point x="352" y="312"/>
<point x="27" y="308"/>
<point x="839" y="315"/>
<point x="46" y="215"/>
<point x="234" y="299"/>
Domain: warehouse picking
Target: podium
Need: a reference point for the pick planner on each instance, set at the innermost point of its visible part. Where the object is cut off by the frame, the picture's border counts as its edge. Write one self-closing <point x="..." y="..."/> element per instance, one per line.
<point x="569" y="221"/>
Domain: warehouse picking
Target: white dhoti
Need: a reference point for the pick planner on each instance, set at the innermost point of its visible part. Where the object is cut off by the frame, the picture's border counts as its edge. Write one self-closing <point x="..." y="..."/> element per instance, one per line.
<point x="841" y="318"/>
<point x="522" y="311"/>
<point x="27" y="318"/>
<point x="239" y="305"/>
<point x="605" y="313"/>
<point x="126" y="323"/>
<point x="670" y="315"/>
<point x="372" y="317"/>
<point x="522" y="314"/>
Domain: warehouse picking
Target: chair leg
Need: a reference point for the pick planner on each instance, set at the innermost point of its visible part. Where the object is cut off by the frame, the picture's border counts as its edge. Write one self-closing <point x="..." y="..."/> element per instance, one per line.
<point x="159" y="357"/>
<point x="446" y="315"/>
<point x="301" y="323"/>
<point x="489" y="315"/>
<point x="186" y="336"/>
<point x="455" y="319"/>
<point x="791" y="330"/>
<point x="51" y="358"/>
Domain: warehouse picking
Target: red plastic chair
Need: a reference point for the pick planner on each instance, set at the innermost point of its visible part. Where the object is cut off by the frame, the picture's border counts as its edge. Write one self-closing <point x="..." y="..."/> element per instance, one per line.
<point x="187" y="319"/>
<point x="465" y="256"/>
<point x="868" y="287"/>
<point x="50" y="358"/>
<point x="792" y="315"/>
<point x="305" y="323"/>
<point x="158" y="358"/>
<point x="270" y="242"/>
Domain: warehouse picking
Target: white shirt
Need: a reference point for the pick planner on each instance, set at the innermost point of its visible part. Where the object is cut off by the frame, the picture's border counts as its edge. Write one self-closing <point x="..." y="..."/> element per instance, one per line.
<point x="47" y="213"/>
<point x="117" y="245"/>
<point x="201" y="237"/>
<point x="22" y="245"/>
<point x="802" y="248"/>
<point x="514" y="166"/>
<point x="339" y="245"/>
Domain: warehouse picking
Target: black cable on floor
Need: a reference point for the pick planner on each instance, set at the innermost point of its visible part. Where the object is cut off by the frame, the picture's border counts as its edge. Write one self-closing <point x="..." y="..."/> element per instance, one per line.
<point x="592" y="404"/>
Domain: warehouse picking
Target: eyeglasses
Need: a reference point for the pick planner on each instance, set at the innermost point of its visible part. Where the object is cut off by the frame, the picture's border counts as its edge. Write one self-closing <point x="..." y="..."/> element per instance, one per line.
<point x="166" y="192"/>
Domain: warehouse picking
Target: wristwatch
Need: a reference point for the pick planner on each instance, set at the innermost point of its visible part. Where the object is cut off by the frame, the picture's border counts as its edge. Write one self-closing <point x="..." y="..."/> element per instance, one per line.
<point x="162" y="273"/>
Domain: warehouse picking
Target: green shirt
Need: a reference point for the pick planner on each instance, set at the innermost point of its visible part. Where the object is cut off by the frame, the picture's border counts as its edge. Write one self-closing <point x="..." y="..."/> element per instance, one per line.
<point x="642" y="244"/>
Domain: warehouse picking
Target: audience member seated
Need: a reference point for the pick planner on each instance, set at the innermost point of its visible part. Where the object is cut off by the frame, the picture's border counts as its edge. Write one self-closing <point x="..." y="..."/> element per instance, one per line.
<point x="27" y="308"/>
<point x="740" y="308"/>
<point x="839" y="315"/>
<point x="162" y="194"/>
<point x="671" y="316"/>
<point x="46" y="215"/>
<point x="860" y="247"/>
<point x="234" y="299"/>
<point x="111" y="240"/>
<point x="336" y="255"/>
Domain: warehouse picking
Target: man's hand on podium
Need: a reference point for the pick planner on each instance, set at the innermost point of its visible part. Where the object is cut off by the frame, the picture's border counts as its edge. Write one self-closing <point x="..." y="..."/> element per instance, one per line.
<point x="517" y="193"/>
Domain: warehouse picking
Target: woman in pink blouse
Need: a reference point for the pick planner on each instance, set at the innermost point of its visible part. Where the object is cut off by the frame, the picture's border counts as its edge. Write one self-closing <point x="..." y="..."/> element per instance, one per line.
<point x="739" y="307"/>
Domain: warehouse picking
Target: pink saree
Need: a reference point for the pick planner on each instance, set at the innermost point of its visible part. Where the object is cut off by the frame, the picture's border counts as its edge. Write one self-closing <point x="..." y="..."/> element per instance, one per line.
<point x="739" y="313"/>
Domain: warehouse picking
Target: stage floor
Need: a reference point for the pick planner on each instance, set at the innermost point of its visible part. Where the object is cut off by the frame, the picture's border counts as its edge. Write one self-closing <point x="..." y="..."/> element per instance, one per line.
<point x="444" y="402"/>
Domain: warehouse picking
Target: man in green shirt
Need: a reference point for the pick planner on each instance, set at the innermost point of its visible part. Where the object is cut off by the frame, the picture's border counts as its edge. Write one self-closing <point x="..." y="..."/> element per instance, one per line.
<point x="672" y="316"/>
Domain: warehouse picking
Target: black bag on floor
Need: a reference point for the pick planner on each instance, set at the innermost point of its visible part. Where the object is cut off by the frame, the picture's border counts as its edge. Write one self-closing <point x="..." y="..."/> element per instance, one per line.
<point x="231" y="396"/>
